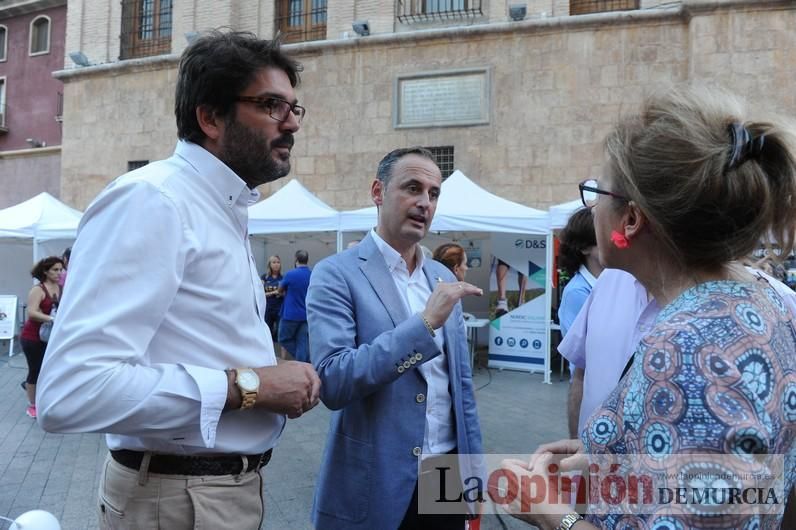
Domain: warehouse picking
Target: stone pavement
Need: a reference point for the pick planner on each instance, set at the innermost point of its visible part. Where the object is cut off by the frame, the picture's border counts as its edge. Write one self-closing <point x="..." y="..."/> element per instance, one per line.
<point x="60" y="473"/>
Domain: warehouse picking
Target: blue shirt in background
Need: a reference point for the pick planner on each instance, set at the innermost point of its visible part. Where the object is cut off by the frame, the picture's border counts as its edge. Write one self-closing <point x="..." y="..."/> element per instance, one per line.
<point x="295" y="284"/>
<point x="574" y="296"/>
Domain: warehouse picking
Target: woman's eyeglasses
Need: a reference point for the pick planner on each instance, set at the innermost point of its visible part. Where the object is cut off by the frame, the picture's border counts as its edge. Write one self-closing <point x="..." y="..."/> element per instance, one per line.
<point x="589" y="193"/>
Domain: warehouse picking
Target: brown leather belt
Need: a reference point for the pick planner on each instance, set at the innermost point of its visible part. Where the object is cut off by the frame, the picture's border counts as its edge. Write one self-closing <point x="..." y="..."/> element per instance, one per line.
<point x="192" y="465"/>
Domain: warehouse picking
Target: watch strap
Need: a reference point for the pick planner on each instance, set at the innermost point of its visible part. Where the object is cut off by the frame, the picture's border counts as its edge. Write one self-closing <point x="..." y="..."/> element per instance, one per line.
<point x="247" y="397"/>
<point x="569" y="521"/>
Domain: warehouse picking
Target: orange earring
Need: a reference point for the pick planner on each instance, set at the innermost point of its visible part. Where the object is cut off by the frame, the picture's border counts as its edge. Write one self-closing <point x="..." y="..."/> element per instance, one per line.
<point x="619" y="240"/>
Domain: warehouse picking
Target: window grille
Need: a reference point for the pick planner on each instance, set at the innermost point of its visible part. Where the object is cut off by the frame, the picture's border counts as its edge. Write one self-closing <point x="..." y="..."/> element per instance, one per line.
<point x="135" y="164"/>
<point x="146" y="28"/>
<point x="301" y="20"/>
<point x="409" y="11"/>
<point x="444" y="157"/>
<point x="583" y="7"/>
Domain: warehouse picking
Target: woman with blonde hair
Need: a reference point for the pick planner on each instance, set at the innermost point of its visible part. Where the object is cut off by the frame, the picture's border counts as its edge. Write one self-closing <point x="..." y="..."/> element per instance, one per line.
<point x="273" y="302"/>
<point x="690" y="187"/>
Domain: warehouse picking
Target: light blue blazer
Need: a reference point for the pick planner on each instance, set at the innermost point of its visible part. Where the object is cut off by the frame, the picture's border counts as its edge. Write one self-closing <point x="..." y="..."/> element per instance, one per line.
<point x="362" y="344"/>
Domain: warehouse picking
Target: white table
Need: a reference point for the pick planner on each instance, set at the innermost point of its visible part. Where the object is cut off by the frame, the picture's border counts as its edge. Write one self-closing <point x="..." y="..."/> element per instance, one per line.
<point x="472" y="326"/>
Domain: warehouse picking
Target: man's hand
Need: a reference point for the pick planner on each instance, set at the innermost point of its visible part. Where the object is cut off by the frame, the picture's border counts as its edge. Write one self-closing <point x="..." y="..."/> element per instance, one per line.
<point x="290" y="388"/>
<point x="441" y="302"/>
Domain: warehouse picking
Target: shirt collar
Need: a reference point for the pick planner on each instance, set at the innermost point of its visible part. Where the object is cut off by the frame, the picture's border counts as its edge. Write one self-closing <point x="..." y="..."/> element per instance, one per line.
<point x="392" y="257"/>
<point x="216" y="174"/>
<point x="588" y="276"/>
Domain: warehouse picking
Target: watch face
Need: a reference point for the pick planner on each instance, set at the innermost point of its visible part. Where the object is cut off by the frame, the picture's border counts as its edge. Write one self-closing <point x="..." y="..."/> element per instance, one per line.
<point x="248" y="380"/>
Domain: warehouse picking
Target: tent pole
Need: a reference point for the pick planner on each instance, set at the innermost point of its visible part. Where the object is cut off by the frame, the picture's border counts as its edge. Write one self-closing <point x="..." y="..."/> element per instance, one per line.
<point x="339" y="241"/>
<point x="548" y="295"/>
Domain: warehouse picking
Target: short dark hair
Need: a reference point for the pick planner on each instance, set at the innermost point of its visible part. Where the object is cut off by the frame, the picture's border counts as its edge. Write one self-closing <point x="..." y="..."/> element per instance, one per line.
<point x="575" y="238"/>
<point x="302" y="257"/>
<point x="39" y="271"/>
<point x="384" y="172"/>
<point x="216" y="68"/>
<point x="67" y="253"/>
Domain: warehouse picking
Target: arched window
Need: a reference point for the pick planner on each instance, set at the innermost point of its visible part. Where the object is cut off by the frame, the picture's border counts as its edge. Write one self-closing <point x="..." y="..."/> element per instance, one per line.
<point x="40" y="35"/>
<point x="3" y="42"/>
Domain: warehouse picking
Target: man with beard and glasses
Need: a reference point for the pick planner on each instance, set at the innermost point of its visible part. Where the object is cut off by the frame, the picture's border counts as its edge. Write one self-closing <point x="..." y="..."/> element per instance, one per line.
<point x="177" y="367"/>
<point x="387" y="337"/>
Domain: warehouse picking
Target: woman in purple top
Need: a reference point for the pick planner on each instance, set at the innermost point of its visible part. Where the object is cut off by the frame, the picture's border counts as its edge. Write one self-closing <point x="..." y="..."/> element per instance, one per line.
<point x="707" y="409"/>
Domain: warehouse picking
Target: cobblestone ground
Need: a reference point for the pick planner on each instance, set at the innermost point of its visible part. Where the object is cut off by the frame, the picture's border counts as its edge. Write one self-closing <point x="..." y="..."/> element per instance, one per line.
<point x="60" y="473"/>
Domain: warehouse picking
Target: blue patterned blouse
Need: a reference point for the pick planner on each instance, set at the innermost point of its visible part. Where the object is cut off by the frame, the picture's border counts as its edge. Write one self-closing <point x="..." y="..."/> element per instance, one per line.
<point x="717" y="375"/>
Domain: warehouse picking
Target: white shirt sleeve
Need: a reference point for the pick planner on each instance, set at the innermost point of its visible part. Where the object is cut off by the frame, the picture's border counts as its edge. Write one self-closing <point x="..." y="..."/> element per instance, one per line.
<point x="97" y="374"/>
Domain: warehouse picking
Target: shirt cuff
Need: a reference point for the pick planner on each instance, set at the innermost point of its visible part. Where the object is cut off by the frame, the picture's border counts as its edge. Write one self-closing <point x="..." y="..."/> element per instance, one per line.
<point x="212" y="385"/>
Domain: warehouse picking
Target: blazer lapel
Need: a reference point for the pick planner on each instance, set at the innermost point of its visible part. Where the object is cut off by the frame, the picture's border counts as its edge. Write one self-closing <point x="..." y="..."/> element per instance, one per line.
<point x="375" y="270"/>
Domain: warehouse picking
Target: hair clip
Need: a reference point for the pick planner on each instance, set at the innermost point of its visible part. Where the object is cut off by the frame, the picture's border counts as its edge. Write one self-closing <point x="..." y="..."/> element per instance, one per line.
<point x="743" y="146"/>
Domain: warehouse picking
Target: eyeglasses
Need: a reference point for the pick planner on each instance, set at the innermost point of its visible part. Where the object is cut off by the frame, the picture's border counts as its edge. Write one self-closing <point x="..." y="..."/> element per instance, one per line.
<point x="589" y="193"/>
<point x="278" y="109"/>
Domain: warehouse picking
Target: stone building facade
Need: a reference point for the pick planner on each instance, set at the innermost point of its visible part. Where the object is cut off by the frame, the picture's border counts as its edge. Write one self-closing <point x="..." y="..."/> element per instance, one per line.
<point x="521" y="107"/>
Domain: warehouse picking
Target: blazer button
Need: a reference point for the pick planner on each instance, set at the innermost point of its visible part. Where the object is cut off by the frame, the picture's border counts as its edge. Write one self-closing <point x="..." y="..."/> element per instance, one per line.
<point x="401" y="369"/>
<point x="417" y="451"/>
<point x="420" y="398"/>
<point x="418" y="356"/>
<point x="412" y="361"/>
<point x="407" y="365"/>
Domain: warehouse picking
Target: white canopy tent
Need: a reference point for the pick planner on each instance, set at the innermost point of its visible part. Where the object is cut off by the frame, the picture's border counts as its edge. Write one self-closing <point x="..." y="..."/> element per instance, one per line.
<point x="292" y="209"/>
<point x="560" y="213"/>
<point x="467" y="207"/>
<point x="39" y="219"/>
<point x="293" y="218"/>
<point x="39" y="227"/>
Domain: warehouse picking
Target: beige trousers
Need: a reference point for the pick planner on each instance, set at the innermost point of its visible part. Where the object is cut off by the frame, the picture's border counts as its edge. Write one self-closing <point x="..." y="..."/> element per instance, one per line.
<point x="140" y="500"/>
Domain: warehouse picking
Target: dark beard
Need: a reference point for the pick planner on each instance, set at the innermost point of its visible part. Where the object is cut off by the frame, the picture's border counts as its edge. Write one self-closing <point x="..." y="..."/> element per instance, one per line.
<point x="248" y="154"/>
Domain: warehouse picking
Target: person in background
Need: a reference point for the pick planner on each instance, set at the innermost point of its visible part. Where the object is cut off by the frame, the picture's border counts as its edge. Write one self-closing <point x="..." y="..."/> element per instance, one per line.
<point x="690" y="187"/>
<point x="601" y="340"/>
<point x="293" y="332"/>
<point x="42" y="302"/>
<point x="452" y="256"/>
<point x="578" y="257"/>
<point x="65" y="258"/>
<point x="273" y="300"/>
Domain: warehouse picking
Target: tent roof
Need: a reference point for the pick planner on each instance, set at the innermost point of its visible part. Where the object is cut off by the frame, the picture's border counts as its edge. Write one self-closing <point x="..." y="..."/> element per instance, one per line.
<point x="560" y="213"/>
<point x="42" y="217"/>
<point x="465" y="206"/>
<point x="292" y="209"/>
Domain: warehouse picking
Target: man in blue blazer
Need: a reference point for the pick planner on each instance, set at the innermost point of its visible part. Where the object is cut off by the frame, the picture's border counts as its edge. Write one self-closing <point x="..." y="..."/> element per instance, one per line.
<point x="388" y="341"/>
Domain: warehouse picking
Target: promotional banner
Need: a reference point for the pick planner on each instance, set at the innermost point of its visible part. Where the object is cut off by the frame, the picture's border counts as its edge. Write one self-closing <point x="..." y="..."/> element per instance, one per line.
<point x="518" y="337"/>
<point x="8" y="316"/>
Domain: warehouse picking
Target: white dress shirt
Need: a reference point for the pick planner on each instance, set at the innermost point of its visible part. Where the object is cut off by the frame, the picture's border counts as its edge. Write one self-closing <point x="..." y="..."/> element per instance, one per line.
<point x="162" y="296"/>
<point x="440" y="436"/>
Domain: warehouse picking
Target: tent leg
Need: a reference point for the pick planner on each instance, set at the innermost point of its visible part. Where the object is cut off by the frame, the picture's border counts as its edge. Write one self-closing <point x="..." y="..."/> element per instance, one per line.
<point x="548" y="294"/>
<point x="339" y="241"/>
